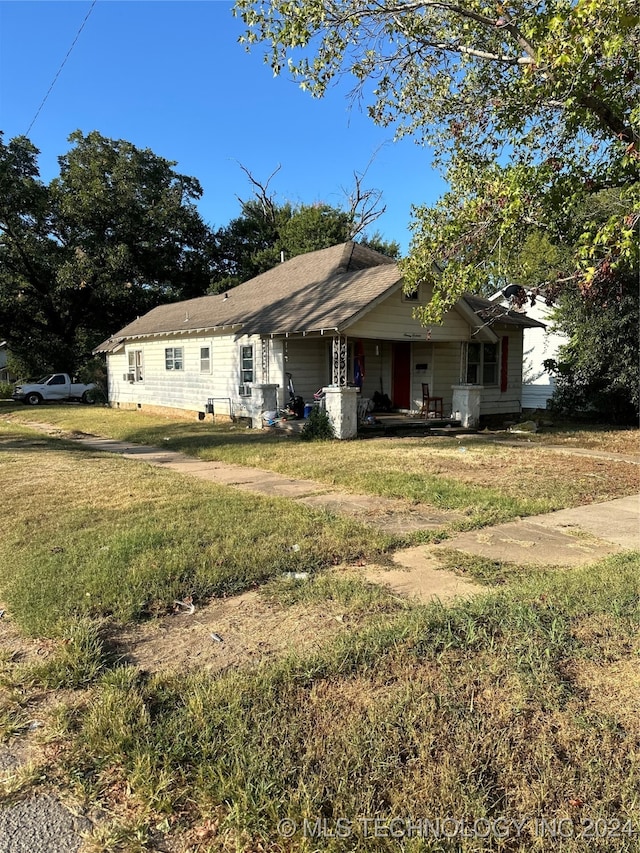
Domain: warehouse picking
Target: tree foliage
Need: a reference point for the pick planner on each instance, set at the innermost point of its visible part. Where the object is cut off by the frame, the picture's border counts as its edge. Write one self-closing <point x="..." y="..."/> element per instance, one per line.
<point x="113" y="235"/>
<point x="267" y="231"/>
<point x="529" y="107"/>
<point x="598" y="370"/>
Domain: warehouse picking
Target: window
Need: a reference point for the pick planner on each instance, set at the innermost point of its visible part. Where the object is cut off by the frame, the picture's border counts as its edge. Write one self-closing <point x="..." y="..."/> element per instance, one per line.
<point x="135" y="365"/>
<point x="246" y="364"/>
<point x="57" y="380"/>
<point x="482" y="364"/>
<point x="173" y="358"/>
<point x="205" y="359"/>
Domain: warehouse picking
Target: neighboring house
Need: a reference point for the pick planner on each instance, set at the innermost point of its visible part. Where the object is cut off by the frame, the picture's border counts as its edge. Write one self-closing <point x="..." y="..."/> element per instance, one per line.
<point x="329" y="318"/>
<point x="540" y="343"/>
<point x="5" y="373"/>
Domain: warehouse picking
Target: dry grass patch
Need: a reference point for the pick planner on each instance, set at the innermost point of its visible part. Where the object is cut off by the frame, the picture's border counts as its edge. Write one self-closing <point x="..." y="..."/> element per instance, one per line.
<point x="95" y="535"/>
<point x="489" y="481"/>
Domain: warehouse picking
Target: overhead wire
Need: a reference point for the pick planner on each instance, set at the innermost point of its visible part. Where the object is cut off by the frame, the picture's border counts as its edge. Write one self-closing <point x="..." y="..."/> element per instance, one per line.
<point x="62" y="64"/>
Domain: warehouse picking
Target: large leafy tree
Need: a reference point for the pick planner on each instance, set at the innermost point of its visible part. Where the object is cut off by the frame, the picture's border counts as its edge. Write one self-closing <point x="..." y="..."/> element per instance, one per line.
<point x="115" y="234"/>
<point x="598" y="370"/>
<point x="528" y="106"/>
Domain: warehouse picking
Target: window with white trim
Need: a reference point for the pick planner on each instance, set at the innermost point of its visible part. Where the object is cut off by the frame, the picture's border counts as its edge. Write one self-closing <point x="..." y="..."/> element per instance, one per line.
<point x="173" y="358"/>
<point x="135" y="365"/>
<point x="246" y="364"/>
<point x="205" y="359"/>
<point x="482" y="364"/>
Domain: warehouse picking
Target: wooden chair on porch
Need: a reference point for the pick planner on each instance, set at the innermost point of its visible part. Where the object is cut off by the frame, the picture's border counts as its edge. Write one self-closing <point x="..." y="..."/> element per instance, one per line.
<point x="430" y="405"/>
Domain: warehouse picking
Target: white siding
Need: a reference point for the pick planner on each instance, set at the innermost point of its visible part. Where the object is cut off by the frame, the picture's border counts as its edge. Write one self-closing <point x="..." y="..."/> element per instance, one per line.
<point x="188" y="388"/>
<point x="539" y="344"/>
<point x="538" y="385"/>
<point x="308" y="359"/>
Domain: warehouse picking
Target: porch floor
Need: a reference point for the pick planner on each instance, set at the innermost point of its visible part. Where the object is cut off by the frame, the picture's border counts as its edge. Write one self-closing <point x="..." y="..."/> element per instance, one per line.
<point x="397" y="423"/>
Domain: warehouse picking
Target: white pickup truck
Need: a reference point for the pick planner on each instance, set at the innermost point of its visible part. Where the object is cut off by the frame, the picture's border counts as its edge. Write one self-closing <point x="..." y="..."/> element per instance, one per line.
<point x="54" y="387"/>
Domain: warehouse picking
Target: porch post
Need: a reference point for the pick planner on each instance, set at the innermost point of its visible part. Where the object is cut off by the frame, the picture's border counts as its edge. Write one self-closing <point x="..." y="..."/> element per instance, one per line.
<point x="466" y="404"/>
<point x="341" y="405"/>
<point x="339" y="361"/>
<point x="263" y="399"/>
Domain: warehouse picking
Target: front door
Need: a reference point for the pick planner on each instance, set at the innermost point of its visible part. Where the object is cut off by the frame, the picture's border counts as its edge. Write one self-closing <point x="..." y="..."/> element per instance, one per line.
<point x="401" y="392"/>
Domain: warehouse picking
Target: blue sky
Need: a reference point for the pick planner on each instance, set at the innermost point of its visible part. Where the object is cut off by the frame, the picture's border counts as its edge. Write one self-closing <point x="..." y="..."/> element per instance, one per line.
<point x="171" y="76"/>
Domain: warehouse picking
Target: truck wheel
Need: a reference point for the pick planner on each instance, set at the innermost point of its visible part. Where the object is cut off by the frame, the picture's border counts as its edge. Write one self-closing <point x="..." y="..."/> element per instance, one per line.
<point x="88" y="398"/>
<point x="33" y="399"/>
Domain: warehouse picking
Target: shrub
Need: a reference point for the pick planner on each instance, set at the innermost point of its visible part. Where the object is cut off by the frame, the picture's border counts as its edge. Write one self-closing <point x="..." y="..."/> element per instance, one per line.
<point x="318" y="426"/>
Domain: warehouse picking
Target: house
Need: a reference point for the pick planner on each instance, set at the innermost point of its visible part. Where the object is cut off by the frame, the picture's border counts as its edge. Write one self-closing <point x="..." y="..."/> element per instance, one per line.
<point x="5" y="373"/>
<point x="329" y="318"/>
<point x="541" y="342"/>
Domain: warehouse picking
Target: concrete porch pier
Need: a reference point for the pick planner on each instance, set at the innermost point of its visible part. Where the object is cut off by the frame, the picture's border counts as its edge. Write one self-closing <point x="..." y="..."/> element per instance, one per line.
<point x="342" y="408"/>
<point x="466" y="404"/>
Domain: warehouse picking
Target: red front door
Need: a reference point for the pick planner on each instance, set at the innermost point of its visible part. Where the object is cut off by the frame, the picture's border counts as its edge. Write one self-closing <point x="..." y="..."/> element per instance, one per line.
<point x="401" y="392"/>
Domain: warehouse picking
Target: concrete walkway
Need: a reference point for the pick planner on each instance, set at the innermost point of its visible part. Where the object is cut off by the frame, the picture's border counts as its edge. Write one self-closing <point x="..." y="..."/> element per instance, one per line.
<point x="569" y="537"/>
<point x="392" y="516"/>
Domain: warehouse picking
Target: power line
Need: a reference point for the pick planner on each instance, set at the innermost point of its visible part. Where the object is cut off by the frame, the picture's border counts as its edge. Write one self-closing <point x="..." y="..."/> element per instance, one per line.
<point x="64" y="62"/>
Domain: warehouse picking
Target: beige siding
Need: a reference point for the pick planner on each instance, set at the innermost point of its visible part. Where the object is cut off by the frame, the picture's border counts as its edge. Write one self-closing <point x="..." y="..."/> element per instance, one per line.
<point x="308" y="360"/>
<point x="393" y="320"/>
<point x="494" y="401"/>
<point x="446" y="361"/>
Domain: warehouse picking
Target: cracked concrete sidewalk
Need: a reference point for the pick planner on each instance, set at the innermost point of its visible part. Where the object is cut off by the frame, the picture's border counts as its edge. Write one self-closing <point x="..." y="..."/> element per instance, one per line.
<point x="568" y="537"/>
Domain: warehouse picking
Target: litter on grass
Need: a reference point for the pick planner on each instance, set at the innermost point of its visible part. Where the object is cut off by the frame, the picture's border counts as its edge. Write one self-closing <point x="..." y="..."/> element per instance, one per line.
<point x="187" y="604"/>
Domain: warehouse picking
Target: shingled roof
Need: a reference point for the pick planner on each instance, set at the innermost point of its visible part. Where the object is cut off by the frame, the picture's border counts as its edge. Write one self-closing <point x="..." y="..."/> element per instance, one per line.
<point x="321" y="291"/>
<point x="318" y="291"/>
<point x="494" y="312"/>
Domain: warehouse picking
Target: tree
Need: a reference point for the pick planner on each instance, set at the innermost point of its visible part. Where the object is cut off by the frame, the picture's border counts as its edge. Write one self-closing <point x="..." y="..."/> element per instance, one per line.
<point x="266" y="231"/>
<point x="114" y="235"/>
<point x="530" y="107"/>
<point x="598" y="370"/>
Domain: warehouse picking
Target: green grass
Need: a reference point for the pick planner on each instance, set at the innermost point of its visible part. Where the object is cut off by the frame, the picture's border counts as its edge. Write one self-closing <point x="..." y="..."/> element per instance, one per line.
<point x="487" y="482"/>
<point x="518" y="704"/>
<point x="94" y="535"/>
<point x="356" y="596"/>
<point x="474" y="711"/>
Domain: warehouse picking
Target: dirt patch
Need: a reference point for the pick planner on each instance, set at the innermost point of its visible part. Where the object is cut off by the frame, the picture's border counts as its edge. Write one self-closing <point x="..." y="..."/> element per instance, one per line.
<point x="537" y="472"/>
<point x="15" y="647"/>
<point x="417" y="574"/>
<point x="246" y="629"/>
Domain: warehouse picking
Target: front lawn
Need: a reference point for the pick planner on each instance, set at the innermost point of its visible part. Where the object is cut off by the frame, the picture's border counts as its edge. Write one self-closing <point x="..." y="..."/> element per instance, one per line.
<point x="508" y="722"/>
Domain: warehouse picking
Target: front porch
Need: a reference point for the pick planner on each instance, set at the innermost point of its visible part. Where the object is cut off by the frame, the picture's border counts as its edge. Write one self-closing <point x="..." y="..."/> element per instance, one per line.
<point x="399" y="424"/>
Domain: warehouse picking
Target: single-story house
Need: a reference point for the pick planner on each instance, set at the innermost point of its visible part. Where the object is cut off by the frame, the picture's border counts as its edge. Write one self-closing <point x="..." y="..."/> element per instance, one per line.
<point x="338" y="318"/>
<point x="540" y="342"/>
